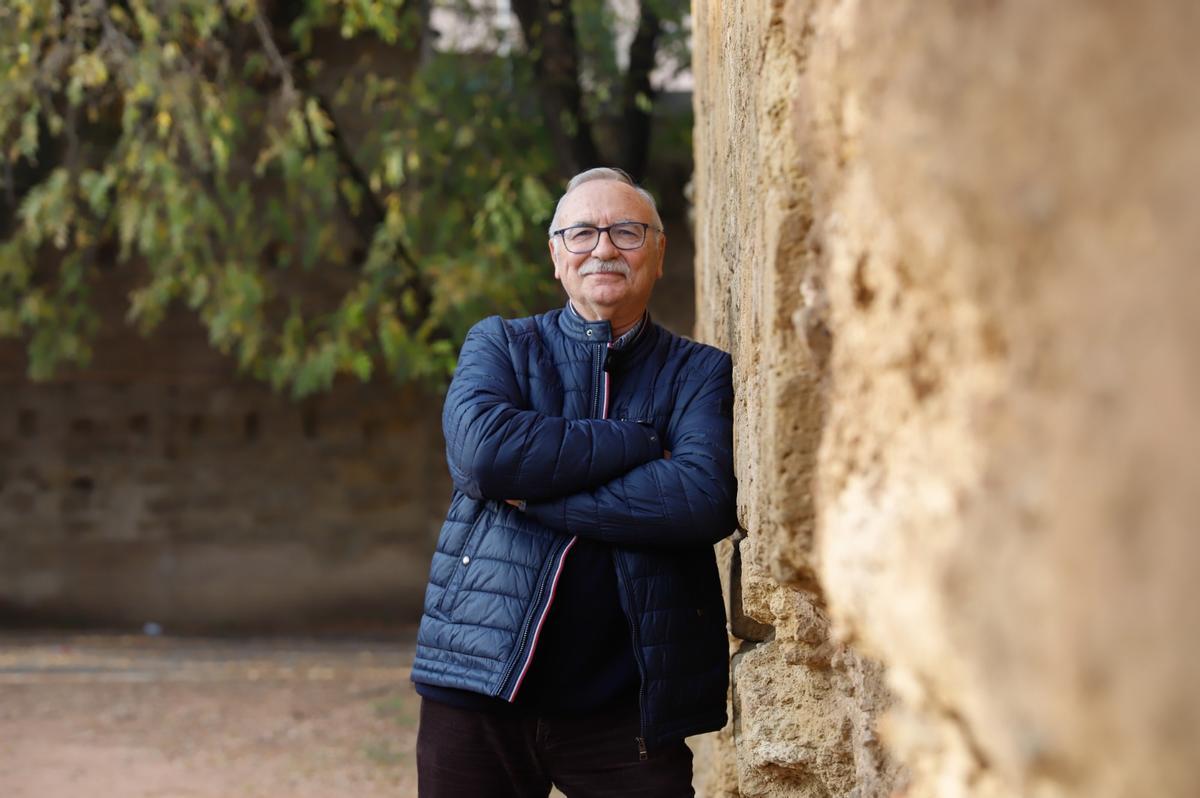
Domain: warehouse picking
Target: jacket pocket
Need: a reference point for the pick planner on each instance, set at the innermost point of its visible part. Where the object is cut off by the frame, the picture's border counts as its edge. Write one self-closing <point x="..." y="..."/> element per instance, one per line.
<point x="478" y="529"/>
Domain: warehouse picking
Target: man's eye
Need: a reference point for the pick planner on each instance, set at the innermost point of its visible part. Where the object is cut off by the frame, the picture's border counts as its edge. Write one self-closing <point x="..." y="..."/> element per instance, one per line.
<point x="626" y="234"/>
<point x="581" y="233"/>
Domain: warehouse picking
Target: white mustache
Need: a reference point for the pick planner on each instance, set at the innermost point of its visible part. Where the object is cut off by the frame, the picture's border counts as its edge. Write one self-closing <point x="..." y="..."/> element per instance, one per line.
<point x="604" y="267"/>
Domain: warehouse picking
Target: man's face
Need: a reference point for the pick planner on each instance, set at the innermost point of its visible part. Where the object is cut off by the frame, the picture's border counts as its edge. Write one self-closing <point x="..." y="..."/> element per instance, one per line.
<point x="623" y="279"/>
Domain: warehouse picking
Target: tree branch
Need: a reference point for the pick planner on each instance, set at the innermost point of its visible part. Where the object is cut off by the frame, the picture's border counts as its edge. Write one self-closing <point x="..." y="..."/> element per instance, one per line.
<point x="112" y="34"/>
<point x="278" y="65"/>
<point x="375" y="214"/>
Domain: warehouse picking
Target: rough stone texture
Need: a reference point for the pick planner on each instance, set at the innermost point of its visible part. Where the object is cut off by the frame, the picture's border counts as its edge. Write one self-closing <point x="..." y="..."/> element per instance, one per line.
<point x="804" y="705"/>
<point x="952" y="247"/>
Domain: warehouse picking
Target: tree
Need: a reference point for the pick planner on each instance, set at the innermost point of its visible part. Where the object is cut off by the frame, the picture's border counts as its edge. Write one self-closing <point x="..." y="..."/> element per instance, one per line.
<point x="326" y="190"/>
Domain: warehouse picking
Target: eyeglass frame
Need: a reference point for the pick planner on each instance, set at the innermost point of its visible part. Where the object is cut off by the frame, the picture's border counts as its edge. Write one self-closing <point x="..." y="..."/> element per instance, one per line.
<point x="646" y="227"/>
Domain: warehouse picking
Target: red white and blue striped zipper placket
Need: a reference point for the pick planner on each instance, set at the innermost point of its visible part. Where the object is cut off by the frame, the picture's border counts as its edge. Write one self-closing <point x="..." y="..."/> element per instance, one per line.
<point x="604" y="407"/>
<point x="558" y="567"/>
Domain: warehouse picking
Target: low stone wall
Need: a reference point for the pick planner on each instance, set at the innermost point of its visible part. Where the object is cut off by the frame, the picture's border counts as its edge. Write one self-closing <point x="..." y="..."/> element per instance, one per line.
<point x="952" y="249"/>
<point x="157" y="486"/>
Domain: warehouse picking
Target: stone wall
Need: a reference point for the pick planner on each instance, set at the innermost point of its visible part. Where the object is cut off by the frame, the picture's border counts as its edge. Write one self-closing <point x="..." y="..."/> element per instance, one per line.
<point x="952" y="247"/>
<point x="157" y="486"/>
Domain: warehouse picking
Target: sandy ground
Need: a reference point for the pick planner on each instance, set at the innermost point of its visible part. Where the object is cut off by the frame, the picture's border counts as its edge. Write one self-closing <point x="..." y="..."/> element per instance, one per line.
<point x="141" y="717"/>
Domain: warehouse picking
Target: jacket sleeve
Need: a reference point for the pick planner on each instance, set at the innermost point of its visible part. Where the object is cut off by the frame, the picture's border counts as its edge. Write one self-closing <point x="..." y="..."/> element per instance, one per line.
<point x="497" y="450"/>
<point x="687" y="500"/>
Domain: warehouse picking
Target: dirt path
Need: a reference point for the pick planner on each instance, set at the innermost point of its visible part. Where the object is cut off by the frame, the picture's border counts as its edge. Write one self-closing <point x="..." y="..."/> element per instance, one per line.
<point x="139" y="717"/>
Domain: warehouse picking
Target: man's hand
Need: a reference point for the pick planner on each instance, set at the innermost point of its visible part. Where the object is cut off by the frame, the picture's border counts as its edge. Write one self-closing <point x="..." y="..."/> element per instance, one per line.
<point x="514" y="502"/>
<point x="666" y="454"/>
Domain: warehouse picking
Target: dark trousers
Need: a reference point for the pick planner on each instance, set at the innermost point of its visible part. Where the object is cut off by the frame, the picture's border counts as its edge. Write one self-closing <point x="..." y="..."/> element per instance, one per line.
<point x="463" y="753"/>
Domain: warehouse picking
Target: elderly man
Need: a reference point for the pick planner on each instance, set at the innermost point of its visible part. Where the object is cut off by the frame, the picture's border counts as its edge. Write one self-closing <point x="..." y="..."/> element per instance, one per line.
<point x="574" y="629"/>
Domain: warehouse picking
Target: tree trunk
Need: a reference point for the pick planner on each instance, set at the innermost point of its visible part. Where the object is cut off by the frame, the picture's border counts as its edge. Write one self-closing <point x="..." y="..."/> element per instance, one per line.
<point x="549" y="30"/>
<point x="635" y="150"/>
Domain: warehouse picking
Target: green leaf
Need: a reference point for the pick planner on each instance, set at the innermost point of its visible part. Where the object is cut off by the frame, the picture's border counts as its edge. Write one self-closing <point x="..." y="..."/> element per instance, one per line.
<point x="362" y="366"/>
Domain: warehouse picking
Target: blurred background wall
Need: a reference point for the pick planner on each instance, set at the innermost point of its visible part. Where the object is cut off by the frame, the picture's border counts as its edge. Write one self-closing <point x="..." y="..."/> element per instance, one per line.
<point x="952" y="247"/>
<point x="157" y="486"/>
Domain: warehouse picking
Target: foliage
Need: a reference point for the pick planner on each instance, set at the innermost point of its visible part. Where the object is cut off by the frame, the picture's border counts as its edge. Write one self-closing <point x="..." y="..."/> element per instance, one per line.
<point x="327" y="194"/>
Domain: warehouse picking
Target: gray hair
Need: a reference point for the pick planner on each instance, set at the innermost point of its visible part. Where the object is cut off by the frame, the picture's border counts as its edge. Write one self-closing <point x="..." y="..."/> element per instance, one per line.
<point x="605" y="173"/>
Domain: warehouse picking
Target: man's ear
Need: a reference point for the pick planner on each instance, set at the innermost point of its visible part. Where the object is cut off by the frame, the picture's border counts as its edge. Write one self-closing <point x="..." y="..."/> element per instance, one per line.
<point x="662" y="253"/>
<point x="554" y="258"/>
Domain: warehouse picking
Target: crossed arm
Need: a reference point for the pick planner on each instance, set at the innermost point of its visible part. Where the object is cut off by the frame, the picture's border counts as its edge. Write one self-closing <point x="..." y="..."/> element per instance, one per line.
<point x="603" y="479"/>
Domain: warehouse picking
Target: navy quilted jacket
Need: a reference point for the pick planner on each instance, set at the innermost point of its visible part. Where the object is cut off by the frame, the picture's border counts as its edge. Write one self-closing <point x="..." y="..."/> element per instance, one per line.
<point x="542" y="409"/>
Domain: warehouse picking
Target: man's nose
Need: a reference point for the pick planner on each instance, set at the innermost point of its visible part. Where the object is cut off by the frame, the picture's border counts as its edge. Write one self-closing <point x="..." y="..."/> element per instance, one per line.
<point x="605" y="249"/>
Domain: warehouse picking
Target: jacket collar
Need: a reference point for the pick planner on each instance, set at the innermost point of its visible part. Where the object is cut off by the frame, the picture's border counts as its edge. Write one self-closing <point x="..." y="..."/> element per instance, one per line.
<point x="599" y="332"/>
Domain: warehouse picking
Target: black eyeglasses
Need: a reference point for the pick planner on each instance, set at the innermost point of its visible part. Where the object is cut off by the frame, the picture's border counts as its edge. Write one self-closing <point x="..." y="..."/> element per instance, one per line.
<point x="583" y="238"/>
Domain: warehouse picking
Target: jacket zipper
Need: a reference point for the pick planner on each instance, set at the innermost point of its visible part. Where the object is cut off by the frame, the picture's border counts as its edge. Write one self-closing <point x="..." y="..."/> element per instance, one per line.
<point x="637" y="655"/>
<point x="551" y="579"/>
<point x="598" y="411"/>
<point x="633" y="625"/>
<point x="537" y="597"/>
